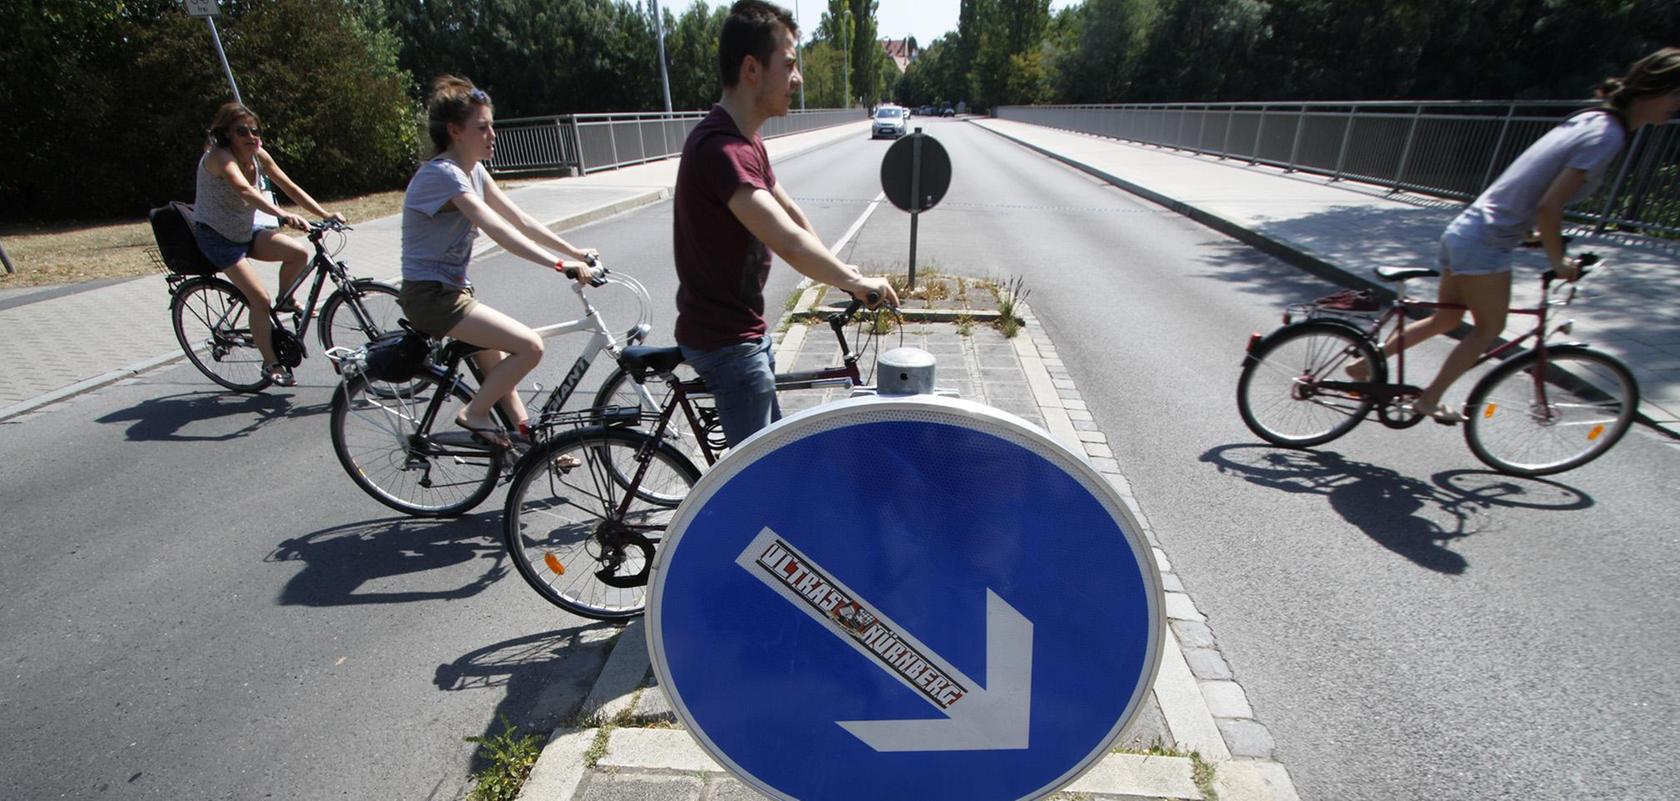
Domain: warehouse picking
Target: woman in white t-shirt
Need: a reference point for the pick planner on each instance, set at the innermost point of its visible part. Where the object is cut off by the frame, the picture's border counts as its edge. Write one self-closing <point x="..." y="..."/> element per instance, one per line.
<point x="1565" y="165"/>
<point x="449" y="199"/>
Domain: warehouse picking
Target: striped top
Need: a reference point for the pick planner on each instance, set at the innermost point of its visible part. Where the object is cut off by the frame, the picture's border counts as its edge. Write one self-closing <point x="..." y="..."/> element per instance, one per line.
<point x="218" y="205"/>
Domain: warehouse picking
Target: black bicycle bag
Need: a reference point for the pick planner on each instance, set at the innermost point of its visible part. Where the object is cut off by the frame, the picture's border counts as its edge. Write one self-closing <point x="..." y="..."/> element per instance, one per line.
<point x="172" y="228"/>
<point x="397" y="356"/>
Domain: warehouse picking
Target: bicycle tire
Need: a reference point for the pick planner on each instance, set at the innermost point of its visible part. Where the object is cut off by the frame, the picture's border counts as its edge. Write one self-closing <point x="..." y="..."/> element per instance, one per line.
<point x="1276" y="393"/>
<point x="561" y="525"/>
<point x="212" y="324"/>
<point x="1589" y="404"/>
<point x="619" y="390"/>
<point x="375" y="437"/>
<point x="377" y="300"/>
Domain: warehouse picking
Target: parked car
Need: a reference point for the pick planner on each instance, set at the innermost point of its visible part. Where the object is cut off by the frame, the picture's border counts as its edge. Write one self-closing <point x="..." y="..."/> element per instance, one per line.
<point x="889" y="123"/>
<point x="947" y="111"/>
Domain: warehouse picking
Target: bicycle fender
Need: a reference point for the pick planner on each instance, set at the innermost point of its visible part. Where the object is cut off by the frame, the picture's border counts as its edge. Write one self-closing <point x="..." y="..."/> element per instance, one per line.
<point x="1266" y="340"/>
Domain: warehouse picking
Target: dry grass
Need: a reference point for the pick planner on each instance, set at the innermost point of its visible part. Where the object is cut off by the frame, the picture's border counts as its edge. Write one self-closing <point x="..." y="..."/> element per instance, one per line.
<point x="74" y="252"/>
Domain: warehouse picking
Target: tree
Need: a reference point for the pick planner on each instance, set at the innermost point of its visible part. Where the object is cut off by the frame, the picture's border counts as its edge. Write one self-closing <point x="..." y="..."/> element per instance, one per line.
<point x="691" y="45"/>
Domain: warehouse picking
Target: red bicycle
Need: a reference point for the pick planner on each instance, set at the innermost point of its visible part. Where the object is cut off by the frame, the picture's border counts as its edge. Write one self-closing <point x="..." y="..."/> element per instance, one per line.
<point x="1544" y="410"/>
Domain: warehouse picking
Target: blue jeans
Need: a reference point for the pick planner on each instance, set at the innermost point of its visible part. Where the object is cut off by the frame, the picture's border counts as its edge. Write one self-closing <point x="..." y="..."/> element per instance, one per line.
<point x="742" y="380"/>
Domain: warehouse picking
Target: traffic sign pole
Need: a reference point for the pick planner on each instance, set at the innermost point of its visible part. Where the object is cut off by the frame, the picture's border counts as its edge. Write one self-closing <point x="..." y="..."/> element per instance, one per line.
<point x="915" y="198"/>
<point x="209" y="10"/>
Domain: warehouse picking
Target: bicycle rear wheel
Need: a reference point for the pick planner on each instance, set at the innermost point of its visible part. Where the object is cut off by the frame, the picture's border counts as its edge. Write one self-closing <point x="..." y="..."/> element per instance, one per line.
<point x="562" y="524"/>
<point x="213" y="325"/>
<point x="439" y="472"/>
<point x="1528" y="423"/>
<point x="1280" y="396"/>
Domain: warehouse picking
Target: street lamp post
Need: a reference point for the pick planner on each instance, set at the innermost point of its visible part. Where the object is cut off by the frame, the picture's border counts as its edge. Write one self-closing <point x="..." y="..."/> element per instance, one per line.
<point x="664" y="76"/>
<point x="799" y="56"/>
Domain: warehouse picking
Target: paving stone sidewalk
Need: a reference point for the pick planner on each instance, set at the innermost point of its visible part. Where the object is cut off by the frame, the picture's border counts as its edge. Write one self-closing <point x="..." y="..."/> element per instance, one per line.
<point x="629" y="745"/>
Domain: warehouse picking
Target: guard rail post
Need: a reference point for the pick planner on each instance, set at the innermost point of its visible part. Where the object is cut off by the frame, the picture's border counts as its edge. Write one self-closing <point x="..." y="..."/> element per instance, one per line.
<point x="1295" y="147"/>
<point x="1406" y="151"/>
<point x="1347" y="134"/>
<point x="1621" y="176"/>
<point x="1498" y="145"/>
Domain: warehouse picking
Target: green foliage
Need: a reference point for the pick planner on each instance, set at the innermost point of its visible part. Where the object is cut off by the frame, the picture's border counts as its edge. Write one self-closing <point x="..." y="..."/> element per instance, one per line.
<point x="691" y="47"/>
<point x="824" y="81"/>
<point x="120" y="93"/>
<point x="510" y="761"/>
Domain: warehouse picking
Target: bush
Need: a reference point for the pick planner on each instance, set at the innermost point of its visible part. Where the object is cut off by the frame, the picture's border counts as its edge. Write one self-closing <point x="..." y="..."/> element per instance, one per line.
<point x="122" y="94"/>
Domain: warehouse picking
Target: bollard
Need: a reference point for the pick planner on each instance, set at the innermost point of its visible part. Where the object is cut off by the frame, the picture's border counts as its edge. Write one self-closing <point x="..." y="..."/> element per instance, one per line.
<point x="905" y="371"/>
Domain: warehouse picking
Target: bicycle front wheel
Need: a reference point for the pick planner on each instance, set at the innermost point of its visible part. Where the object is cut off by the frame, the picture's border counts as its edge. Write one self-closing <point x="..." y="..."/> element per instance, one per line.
<point x="436" y="472"/>
<point x="1281" y="396"/>
<point x="620" y="390"/>
<point x="353" y="318"/>
<point x="213" y="325"/>
<point x="563" y="525"/>
<point x="1529" y="421"/>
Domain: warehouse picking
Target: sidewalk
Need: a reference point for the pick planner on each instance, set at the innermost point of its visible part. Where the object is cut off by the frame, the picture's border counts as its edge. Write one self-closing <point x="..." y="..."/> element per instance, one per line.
<point x="629" y="744"/>
<point x="1344" y="230"/>
<point x="63" y="341"/>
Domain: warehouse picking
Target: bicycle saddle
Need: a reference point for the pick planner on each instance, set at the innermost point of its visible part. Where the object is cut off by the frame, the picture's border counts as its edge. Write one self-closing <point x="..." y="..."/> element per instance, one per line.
<point x="1405" y="273"/>
<point x="639" y="360"/>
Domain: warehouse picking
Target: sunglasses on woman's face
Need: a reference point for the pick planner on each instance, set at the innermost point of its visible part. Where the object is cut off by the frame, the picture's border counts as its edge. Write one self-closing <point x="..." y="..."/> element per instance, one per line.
<point x="246" y="130"/>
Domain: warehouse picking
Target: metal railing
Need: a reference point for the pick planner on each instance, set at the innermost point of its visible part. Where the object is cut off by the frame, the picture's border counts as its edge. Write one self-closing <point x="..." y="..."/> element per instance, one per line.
<point x="1447" y="149"/>
<point x="590" y="142"/>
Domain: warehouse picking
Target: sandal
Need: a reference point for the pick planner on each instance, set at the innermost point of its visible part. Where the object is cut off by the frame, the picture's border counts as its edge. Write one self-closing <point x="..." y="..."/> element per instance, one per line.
<point x="492" y="436"/>
<point x="1442" y="413"/>
<point x="280" y="374"/>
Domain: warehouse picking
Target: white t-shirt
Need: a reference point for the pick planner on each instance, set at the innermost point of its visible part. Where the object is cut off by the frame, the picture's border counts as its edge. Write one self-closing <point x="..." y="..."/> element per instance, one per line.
<point x="1506" y="211"/>
<point x="436" y="241"/>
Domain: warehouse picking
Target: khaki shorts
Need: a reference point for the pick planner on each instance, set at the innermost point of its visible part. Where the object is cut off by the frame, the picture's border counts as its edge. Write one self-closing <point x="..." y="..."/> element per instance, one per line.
<point x="434" y="308"/>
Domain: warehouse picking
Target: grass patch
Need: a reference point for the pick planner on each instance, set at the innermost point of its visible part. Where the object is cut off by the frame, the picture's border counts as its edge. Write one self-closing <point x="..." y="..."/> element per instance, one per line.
<point x="1010" y="297"/>
<point x="965" y="324"/>
<point x="1201" y="770"/>
<point x="511" y="758"/>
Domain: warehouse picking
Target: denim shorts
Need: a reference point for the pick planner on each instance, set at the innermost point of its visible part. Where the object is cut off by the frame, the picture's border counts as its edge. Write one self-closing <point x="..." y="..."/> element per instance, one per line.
<point x="221" y="251"/>
<point x="1462" y="255"/>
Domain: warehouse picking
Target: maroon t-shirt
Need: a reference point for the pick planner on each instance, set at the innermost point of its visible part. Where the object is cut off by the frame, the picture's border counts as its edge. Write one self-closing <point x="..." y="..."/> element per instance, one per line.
<point x="721" y="266"/>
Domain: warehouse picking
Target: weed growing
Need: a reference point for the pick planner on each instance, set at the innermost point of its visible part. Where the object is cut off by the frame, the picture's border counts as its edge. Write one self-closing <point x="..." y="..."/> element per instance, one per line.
<point x="511" y="759"/>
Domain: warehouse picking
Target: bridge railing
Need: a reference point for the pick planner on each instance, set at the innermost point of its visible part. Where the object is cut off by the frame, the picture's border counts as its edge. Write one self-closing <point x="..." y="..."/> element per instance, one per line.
<point x="590" y="142"/>
<point x="1444" y="149"/>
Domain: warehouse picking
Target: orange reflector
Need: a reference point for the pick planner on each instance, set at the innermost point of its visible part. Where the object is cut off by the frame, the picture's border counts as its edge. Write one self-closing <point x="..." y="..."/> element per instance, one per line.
<point x="1597" y="431"/>
<point x="554" y="564"/>
<point x="1487" y="413"/>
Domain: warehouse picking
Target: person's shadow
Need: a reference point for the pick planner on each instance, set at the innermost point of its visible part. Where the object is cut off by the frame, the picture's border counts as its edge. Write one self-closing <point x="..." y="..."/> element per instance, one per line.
<point x="175" y="418"/>
<point x="1397" y="512"/>
<point x="340" y="560"/>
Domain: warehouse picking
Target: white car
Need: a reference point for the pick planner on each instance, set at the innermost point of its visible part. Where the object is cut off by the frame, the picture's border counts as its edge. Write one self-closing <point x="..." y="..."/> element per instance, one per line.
<point x="889" y="122"/>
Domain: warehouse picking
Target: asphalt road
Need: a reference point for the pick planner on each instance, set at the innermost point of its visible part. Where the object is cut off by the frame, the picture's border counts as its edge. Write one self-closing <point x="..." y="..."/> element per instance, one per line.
<point x="199" y="604"/>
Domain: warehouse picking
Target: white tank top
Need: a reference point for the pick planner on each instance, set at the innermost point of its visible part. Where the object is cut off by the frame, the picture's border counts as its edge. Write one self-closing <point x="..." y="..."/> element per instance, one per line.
<point x="218" y="205"/>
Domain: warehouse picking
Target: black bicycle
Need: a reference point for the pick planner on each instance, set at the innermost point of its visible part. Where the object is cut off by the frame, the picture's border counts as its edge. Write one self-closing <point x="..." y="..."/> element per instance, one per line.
<point x="212" y="319"/>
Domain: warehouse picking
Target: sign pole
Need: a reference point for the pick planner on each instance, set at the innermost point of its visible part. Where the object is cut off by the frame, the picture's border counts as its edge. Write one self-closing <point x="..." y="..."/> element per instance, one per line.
<point x="915" y="198"/>
<point x="6" y="260"/>
<point x="221" y="54"/>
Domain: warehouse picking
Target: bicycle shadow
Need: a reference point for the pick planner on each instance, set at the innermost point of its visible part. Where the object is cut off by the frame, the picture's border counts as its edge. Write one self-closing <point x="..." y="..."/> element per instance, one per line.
<point x="545" y="677"/>
<point x="341" y="562"/>
<point x="169" y="418"/>
<point x="1416" y="519"/>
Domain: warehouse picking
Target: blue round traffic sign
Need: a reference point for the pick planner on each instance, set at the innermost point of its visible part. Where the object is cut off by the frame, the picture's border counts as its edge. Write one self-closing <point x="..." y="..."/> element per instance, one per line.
<point x="914" y="597"/>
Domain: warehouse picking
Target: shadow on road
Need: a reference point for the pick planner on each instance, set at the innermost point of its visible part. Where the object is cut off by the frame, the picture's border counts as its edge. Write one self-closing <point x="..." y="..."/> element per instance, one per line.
<point x="545" y="678"/>
<point x="342" y="561"/>
<point x="1413" y="518"/>
<point x="175" y="418"/>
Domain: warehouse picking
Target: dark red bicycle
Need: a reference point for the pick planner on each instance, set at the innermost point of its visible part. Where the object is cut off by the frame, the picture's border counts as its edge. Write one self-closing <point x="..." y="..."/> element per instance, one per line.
<point x="1552" y="407"/>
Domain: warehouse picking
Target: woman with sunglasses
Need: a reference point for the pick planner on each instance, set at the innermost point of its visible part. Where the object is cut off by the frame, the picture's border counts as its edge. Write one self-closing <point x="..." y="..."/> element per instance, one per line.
<point x="224" y="220"/>
<point x="451" y="198"/>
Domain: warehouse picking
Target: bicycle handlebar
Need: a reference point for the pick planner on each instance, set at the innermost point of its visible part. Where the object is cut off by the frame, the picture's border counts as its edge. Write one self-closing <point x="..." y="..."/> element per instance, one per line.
<point x="1586" y="260"/>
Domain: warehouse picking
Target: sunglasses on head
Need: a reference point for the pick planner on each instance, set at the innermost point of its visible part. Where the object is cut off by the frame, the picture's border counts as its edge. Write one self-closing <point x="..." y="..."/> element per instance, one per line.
<point x="479" y="96"/>
<point x="246" y="130"/>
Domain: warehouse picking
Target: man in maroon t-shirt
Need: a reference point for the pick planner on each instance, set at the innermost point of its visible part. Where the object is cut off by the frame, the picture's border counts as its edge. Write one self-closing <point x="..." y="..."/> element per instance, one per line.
<point x="729" y="208"/>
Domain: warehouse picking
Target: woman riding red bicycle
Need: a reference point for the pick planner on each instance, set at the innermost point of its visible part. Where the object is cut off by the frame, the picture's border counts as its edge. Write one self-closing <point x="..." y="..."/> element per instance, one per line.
<point x="1565" y="165"/>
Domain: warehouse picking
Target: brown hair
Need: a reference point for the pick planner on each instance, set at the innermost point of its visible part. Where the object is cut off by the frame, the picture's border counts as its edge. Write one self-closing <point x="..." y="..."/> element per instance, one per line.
<point x="221" y="125"/>
<point x="749" y="30"/>
<point x="452" y="100"/>
<point x="1655" y="74"/>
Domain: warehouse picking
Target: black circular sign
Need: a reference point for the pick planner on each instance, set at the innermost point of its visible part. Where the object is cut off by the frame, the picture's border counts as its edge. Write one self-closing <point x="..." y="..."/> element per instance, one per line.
<point x="899" y="167"/>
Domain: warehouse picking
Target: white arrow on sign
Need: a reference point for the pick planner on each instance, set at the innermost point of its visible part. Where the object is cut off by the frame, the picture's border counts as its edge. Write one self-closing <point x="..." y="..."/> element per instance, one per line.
<point x="976" y="719"/>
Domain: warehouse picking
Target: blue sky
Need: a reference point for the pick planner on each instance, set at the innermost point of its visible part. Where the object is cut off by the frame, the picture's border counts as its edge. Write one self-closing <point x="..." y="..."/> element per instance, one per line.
<point x="926" y="20"/>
